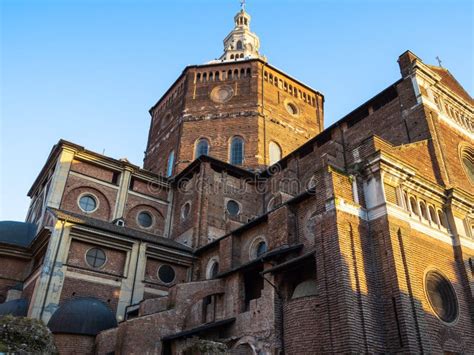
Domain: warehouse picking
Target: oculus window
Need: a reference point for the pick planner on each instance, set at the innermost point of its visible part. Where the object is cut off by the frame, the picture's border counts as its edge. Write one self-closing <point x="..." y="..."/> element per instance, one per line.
<point x="87" y="203"/>
<point x="233" y="208"/>
<point x="441" y="295"/>
<point x="95" y="257"/>
<point x="166" y="274"/>
<point x="145" y="220"/>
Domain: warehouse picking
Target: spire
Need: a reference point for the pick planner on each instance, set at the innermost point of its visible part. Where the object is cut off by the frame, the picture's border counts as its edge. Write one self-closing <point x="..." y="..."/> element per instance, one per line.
<point x="240" y="43"/>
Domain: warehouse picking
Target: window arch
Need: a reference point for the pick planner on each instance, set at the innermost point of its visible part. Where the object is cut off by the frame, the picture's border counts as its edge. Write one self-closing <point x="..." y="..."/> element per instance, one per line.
<point x="467" y="159"/>
<point x="274" y="152"/>
<point x="432" y="214"/>
<point x="202" y="148"/>
<point x="413" y="206"/>
<point x="442" y="219"/>
<point x="258" y="247"/>
<point x="170" y="165"/>
<point x="423" y="210"/>
<point x="239" y="45"/>
<point x="212" y="269"/>
<point x="237" y="151"/>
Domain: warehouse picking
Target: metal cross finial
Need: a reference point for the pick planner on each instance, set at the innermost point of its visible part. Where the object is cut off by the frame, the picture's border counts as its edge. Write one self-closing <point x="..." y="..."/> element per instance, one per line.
<point x="242" y="4"/>
<point x="439" y="61"/>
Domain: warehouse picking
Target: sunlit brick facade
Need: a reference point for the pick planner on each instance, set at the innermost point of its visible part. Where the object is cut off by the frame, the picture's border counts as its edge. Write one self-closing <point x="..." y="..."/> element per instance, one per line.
<point x="356" y="238"/>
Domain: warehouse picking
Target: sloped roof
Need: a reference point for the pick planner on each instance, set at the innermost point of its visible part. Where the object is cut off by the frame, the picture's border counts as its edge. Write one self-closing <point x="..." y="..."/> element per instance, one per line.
<point x="129" y="232"/>
<point x="85" y="315"/>
<point x="17" y="233"/>
<point x="450" y="81"/>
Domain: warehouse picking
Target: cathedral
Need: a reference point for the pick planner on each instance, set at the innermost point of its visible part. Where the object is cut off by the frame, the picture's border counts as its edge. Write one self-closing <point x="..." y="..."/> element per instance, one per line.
<point x="253" y="229"/>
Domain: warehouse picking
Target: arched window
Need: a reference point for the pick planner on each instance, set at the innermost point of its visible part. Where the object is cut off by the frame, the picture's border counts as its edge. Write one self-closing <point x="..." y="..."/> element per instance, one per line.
<point x="423" y="210"/>
<point x="237" y="151"/>
<point x="239" y="45"/>
<point x="212" y="269"/>
<point x="413" y="205"/>
<point x="202" y="148"/>
<point x="275" y="152"/>
<point x="432" y="214"/>
<point x="169" y="167"/>
<point x="467" y="157"/>
<point x="442" y="219"/>
<point x="261" y="248"/>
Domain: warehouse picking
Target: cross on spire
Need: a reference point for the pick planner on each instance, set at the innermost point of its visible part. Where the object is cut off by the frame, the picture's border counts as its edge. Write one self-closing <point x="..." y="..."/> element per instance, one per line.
<point x="439" y="61"/>
<point x="242" y="5"/>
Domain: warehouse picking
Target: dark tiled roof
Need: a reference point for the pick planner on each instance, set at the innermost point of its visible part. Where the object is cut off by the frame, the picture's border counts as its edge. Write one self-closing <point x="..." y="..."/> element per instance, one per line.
<point x="199" y="329"/>
<point x="450" y="81"/>
<point x="85" y="315"/>
<point x="17" y="308"/>
<point x="17" y="233"/>
<point x="129" y="232"/>
<point x="285" y="249"/>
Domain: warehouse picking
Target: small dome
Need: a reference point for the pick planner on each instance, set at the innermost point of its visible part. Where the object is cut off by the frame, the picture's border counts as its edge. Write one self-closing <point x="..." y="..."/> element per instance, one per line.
<point x="17" y="308"/>
<point x="306" y="288"/>
<point x="86" y="316"/>
<point x="17" y="233"/>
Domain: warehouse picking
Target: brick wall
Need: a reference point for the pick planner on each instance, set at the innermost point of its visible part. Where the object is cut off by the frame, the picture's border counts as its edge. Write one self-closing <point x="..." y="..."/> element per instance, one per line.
<point x="74" y="344"/>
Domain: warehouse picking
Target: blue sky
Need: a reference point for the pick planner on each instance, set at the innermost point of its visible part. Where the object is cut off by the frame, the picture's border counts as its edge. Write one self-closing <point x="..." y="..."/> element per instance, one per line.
<point x="88" y="71"/>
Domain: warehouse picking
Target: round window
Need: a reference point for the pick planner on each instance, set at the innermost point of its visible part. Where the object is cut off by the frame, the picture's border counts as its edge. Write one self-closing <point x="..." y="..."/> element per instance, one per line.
<point x="221" y="94"/>
<point x="95" y="257"/>
<point x="145" y="220"/>
<point x="233" y="208"/>
<point x="441" y="296"/>
<point x="166" y="274"/>
<point x="87" y="203"/>
<point x="185" y="210"/>
<point x="291" y="108"/>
